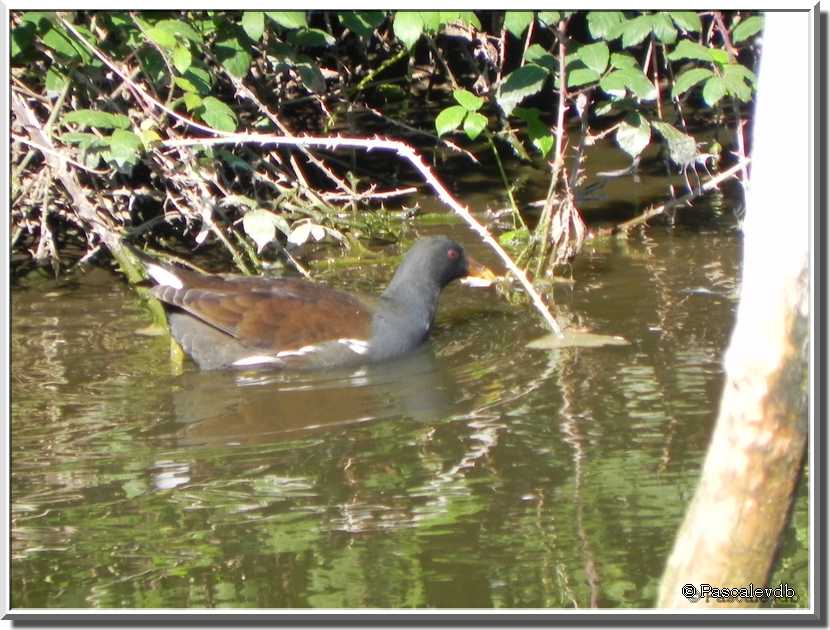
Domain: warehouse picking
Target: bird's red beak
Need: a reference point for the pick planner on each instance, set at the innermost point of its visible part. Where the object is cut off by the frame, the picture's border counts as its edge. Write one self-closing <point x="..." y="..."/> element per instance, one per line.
<point x="478" y="275"/>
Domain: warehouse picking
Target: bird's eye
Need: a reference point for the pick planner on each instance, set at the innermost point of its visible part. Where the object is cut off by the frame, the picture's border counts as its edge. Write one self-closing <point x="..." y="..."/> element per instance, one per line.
<point x="453" y="254"/>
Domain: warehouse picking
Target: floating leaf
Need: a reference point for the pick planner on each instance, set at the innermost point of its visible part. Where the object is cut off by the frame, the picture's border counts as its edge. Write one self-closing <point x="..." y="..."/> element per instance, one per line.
<point x="474" y="124"/>
<point x="253" y="23"/>
<point x="600" y="23"/>
<point x="516" y="22"/>
<point x="468" y="100"/>
<point x="688" y="79"/>
<point x="288" y="19"/>
<point x="408" y="27"/>
<point x="449" y="119"/>
<point x="97" y="119"/>
<point x="595" y="56"/>
<point x="520" y="84"/>
<point x="747" y="28"/>
<point x="576" y="339"/>
<point x="633" y="134"/>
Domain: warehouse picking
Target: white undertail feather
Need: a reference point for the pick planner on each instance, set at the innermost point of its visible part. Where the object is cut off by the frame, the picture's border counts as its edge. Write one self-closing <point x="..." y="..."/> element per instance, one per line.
<point x="164" y="277"/>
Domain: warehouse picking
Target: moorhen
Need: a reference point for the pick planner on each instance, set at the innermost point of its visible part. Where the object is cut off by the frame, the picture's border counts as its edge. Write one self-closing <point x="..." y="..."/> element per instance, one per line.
<point x="243" y="322"/>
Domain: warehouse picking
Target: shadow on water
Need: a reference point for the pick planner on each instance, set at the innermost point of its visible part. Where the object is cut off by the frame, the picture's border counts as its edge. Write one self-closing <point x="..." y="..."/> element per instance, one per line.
<point x="476" y="473"/>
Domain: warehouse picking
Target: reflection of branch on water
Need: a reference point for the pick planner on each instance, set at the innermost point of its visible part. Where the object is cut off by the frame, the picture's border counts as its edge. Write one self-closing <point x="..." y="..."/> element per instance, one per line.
<point x="572" y="434"/>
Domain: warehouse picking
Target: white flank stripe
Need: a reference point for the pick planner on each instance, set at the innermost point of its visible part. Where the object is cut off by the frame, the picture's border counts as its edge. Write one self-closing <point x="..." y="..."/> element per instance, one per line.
<point x="295" y="353"/>
<point x="164" y="277"/>
<point x="358" y="346"/>
<point x="256" y="359"/>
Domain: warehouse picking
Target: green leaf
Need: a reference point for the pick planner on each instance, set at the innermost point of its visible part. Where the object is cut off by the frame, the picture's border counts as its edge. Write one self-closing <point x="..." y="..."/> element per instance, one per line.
<point x="537" y="131"/>
<point x="97" y="119"/>
<point x="621" y="60"/>
<point x="180" y="29"/>
<point x="55" y="81"/>
<point x="78" y="137"/>
<point x="600" y="23"/>
<point x="714" y="90"/>
<point x="747" y="28"/>
<point x="234" y="56"/>
<point x="182" y="58"/>
<point x="514" y="237"/>
<point x="217" y="115"/>
<point x="682" y="147"/>
<point x="468" y="100"/>
<point x="408" y="27"/>
<point x="636" y="30"/>
<point x="58" y="41"/>
<point x="470" y="19"/>
<point x="520" y="84"/>
<point x="192" y="100"/>
<point x="631" y="79"/>
<point x="516" y="22"/>
<point x="253" y="23"/>
<point x="688" y="79"/>
<point x="595" y="56"/>
<point x="311" y="76"/>
<point x="686" y="49"/>
<point x="124" y="147"/>
<point x="362" y="23"/>
<point x="161" y="37"/>
<point x="310" y="38"/>
<point x="474" y="124"/>
<point x="735" y="77"/>
<point x="288" y="19"/>
<point x="22" y="38"/>
<point x="449" y="119"/>
<point x="633" y="134"/>
<point x="431" y="20"/>
<point x="199" y="80"/>
<point x="582" y="76"/>
<point x="549" y="18"/>
<point x="538" y="55"/>
<point x="687" y="20"/>
<point x="663" y="29"/>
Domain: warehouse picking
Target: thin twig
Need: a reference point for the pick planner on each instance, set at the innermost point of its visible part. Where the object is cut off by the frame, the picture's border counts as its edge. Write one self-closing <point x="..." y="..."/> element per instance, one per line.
<point x="414" y="158"/>
<point x="680" y="201"/>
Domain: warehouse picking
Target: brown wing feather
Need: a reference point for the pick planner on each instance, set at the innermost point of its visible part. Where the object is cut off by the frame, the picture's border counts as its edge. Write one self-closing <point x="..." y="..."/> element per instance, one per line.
<point x="273" y="315"/>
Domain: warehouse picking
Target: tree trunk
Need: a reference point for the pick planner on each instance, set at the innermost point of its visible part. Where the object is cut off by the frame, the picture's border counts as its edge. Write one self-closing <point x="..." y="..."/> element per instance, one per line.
<point x="731" y="530"/>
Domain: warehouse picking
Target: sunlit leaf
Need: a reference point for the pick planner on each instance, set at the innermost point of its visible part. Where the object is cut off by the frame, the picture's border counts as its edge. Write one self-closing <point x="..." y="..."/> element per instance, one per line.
<point x="408" y="27"/>
<point x="520" y="84"/>
<point x="688" y="79"/>
<point x="97" y="119"/>
<point x="516" y="22"/>
<point x="288" y="19"/>
<point x="182" y="58"/>
<point x="474" y="124"/>
<point x="468" y="100"/>
<point x="217" y="114"/>
<point x="124" y="147"/>
<point x="234" y="55"/>
<point x="633" y="134"/>
<point x="595" y="56"/>
<point x="687" y="20"/>
<point x="538" y="55"/>
<point x="449" y="119"/>
<point x="747" y="28"/>
<point x="549" y="18"/>
<point x="582" y="76"/>
<point x="663" y="29"/>
<point x="253" y="23"/>
<point x="714" y="90"/>
<point x="600" y="23"/>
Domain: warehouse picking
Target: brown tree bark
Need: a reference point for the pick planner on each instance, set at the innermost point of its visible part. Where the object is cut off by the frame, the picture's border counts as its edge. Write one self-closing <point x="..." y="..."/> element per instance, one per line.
<point x="731" y="530"/>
